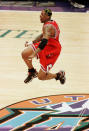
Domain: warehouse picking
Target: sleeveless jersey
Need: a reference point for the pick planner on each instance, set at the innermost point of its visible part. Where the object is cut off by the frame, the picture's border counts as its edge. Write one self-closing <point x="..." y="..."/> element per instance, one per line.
<point x="50" y="53"/>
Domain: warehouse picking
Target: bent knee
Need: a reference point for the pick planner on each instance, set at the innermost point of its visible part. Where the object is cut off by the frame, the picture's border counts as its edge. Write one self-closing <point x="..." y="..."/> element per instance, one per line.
<point x="23" y="54"/>
<point x="26" y="53"/>
<point x="41" y="77"/>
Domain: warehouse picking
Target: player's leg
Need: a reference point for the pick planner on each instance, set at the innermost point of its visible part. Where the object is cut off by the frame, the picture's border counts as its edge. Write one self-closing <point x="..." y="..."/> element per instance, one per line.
<point x="47" y="76"/>
<point x="47" y="62"/>
<point x="26" y="55"/>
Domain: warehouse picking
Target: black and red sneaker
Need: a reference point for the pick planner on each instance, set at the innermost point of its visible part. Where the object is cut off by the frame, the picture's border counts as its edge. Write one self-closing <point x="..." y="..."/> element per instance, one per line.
<point x="61" y="77"/>
<point x="32" y="73"/>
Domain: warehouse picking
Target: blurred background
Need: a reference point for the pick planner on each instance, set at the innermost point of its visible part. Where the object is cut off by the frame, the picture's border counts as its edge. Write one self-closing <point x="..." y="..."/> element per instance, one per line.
<point x="52" y="3"/>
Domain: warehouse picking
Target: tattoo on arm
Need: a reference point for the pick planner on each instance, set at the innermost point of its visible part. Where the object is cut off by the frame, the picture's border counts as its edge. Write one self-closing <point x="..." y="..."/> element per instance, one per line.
<point x="48" y="31"/>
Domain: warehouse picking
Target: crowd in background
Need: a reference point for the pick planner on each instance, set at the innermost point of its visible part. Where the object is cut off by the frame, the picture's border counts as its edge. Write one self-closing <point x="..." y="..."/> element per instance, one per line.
<point x="74" y="3"/>
<point x="79" y="3"/>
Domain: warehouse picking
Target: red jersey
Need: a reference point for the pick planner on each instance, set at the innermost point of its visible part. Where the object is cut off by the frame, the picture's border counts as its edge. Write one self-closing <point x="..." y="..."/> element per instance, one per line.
<point x="50" y="53"/>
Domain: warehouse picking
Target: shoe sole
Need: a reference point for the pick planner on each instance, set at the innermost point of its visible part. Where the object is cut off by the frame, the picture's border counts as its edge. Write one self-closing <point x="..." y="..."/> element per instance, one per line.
<point x="63" y="79"/>
<point x="30" y="79"/>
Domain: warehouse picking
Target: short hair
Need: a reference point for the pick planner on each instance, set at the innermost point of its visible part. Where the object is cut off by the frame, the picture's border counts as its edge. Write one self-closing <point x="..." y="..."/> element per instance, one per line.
<point x="48" y="11"/>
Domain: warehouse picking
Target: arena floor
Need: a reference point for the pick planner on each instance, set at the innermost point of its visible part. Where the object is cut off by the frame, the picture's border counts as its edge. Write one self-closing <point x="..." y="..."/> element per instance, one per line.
<point x="16" y="27"/>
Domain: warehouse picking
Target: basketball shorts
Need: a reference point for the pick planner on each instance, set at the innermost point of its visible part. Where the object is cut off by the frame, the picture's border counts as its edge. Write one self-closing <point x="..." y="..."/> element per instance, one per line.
<point x="48" y="55"/>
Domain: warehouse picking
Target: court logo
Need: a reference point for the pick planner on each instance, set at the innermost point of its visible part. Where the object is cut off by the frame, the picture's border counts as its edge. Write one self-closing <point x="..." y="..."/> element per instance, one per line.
<point x="17" y="33"/>
<point x="49" y="113"/>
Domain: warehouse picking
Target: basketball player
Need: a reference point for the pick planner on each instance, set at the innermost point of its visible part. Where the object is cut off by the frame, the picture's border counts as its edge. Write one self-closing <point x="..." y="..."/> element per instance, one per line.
<point x="47" y="48"/>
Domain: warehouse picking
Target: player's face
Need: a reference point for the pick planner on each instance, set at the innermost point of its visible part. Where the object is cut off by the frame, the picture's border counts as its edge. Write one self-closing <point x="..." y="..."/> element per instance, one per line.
<point x="43" y="17"/>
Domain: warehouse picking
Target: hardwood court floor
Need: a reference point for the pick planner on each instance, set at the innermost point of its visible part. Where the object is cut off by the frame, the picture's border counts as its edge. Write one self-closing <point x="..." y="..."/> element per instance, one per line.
<point x="17" y="27"/>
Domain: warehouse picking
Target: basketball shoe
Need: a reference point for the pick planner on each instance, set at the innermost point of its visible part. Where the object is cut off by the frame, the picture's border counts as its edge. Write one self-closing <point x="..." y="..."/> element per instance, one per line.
<point x="32" y="73"/>
<point x="61" y="76"/>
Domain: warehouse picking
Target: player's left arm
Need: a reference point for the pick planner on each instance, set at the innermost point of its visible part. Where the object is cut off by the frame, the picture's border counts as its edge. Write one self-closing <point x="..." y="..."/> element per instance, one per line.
<point x="48" y="32"/>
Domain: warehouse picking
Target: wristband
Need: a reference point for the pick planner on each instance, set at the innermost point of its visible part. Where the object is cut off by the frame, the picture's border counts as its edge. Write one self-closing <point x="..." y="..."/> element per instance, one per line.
<point x="30" y="42"/>
<point x="43" y="43"/>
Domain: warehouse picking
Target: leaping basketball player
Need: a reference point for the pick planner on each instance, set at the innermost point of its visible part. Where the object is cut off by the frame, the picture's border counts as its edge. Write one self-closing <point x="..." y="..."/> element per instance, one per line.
<point x="47" y="48"/>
